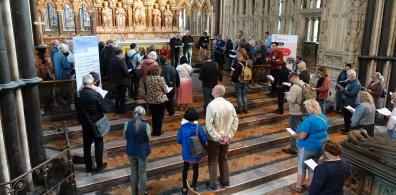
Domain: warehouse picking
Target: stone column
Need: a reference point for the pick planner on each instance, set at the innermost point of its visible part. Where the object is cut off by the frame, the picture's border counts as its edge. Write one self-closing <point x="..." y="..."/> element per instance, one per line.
<point x="59" y="17"/>
<point x="25" y="56"/>
<point x="93" y="22"/>
<point x="4" y="173"/>
<point x="7" y="105"/>
<point x="14" y="73"/>
<point x="76" y="24"/>
<point x="36" y="19"/>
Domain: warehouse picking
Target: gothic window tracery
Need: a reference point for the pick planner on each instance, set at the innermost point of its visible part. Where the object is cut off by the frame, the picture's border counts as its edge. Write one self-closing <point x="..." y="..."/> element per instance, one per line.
<point x="50" y="18"/>
<point x="68" y="18"/>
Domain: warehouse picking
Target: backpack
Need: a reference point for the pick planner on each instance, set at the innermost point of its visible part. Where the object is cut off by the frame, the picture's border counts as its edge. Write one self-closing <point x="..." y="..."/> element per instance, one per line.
<point x="246" y="73"/>
<point x="307" y="93"/>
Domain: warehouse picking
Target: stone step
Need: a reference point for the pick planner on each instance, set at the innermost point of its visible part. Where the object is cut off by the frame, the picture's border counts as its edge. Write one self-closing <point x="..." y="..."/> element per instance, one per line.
<point x="117" y="146"/>
<point x="86" y="183"/>
<point x="121" y="175"/>
<point x="116" y="134"/>
<point x="118" y="121"/>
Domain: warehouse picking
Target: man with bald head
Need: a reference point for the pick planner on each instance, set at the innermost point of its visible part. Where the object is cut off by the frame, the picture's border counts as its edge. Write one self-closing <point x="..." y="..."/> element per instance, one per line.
<point x="187" y="41"/>
<point x="221" y="125"/>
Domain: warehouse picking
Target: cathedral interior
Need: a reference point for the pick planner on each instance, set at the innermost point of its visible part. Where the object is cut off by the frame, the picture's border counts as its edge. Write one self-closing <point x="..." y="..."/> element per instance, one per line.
<point x="41" y="141"/>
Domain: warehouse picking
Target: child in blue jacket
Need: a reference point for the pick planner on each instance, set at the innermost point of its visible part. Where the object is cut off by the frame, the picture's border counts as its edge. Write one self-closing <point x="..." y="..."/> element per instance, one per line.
<point x="188" y="129"/>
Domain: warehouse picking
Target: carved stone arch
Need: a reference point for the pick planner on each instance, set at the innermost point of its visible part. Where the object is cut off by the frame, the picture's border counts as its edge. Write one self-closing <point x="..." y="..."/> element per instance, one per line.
<point x="186" y="5"/>
<point x="196" y="7"/>
<point x="88" y="4"/>
<point x="207" y="6"/>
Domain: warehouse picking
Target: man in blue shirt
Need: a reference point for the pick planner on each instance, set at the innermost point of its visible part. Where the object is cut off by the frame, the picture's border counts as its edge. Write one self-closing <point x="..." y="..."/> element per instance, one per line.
<point x="267" y="42"/>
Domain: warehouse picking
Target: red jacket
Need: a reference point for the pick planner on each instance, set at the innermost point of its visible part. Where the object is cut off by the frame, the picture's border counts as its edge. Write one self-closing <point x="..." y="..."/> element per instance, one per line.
<point x="324" y="89"/>
<point x="274" y="58"/>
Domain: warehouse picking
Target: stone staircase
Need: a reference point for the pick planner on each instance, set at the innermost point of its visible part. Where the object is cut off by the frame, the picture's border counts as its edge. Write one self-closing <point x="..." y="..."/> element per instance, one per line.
<point x="255" y="155"/>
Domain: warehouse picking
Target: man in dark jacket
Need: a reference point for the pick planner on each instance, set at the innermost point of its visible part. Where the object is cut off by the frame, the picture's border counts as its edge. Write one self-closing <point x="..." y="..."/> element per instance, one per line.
<point x="350" y="92"/>
<point x="119" y="77"/>
<point x="175" y="45"/>
<point x="172" y="80"/>
<point x="90" y="108"/>
<point x="187" y="41"/>
<point x="202" y="45"/>
<point x="282" y="77"/>
<point x="105" y="57"/>
<point x="210" y="75"/>
<point x="54" y="49"/>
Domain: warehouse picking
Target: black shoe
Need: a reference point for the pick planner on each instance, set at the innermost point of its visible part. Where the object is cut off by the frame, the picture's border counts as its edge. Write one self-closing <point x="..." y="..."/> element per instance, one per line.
<point x="245" y="111"/>
<point x="212" y="187"/>
<point x="239" y="112"/>
<point x="226" y="184"/>
<point x="104" y="165"/>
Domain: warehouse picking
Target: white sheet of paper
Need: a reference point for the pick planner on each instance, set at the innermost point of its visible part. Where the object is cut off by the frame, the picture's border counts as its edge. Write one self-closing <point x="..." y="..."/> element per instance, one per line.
<point x="270" y="77"/>
<point x="129" y="70"/>
<point x="168" y="89"/>
<point x="291" y="131"/>
<point x="350" y="109"/>
<point x="311" y="163"/>
<point x="286" y="84"/>
<point x="102" y="92"/>
<point x="384" y="111"/>
<point x="390" y="93"/>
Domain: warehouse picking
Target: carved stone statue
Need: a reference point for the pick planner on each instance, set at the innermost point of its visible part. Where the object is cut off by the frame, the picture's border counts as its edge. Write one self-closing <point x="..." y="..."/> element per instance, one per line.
<point x="139" y="11"/>
<point x="156" y="17"/>
<point x="106" y="15"/>
<point x="120" y="15"/>
<point x="168" y="17"/>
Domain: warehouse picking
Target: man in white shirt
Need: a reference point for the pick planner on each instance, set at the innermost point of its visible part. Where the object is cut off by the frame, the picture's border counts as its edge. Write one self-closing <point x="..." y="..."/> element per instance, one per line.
<point x="221" y="125"/>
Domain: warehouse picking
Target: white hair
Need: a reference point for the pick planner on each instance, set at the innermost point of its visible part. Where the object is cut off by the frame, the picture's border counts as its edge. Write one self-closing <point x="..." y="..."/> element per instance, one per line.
<point x="302" y="65"/>
<point x="87" y="79"/>
<point x="379" y="77"/>
<point x="138" y="114"/>
<point x="219" y="90"/>
<point x="351" y="73"/>
<point x="63" y="47"/>
<point x="152" y="55"/>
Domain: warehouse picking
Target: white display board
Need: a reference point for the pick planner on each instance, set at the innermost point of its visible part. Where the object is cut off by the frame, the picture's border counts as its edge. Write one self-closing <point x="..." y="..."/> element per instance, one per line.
<point x="288" y="46"/>
<point x="86" y="56"/>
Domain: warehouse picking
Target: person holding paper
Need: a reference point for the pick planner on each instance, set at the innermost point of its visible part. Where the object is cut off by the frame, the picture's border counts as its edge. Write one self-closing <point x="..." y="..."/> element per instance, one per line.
<point x="294" y="98"/>
<point x="240" y="87"/>
<point x="392" y="120"/>
<point x="172" y="80"/>
<point x="156" y="98"/>
<point x="184" y="92"/>
<point x="273" y="59"/>
<point x="351" y="97"/>
<point x="330" y="176"/>
<point x="187" y="41"/>
<point x="323" y="87"/>
<point x="310" y="136"/>
<point x="364" y="115"/>
<point x="282" y="76"/>
<point x="342" y="77"/>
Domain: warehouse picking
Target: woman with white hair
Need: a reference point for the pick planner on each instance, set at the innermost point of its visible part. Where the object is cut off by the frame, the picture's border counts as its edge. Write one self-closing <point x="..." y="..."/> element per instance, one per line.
<point x="137" y="133"/>
<point x="376" y="89"/>
<point x="310" y="135"/>
<point x="61" y="65"/>
<point x="392" y="120"/>
<point x="364" y="115"/>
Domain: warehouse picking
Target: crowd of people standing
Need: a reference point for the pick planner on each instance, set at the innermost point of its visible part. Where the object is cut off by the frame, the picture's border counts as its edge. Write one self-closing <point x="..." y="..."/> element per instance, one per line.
<point x="165" y="82"/>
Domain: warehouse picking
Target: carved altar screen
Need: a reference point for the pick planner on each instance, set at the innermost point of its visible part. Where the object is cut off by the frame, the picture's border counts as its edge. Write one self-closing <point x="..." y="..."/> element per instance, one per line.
<point x="68" y="18"/>
<point x="85" y="22"/>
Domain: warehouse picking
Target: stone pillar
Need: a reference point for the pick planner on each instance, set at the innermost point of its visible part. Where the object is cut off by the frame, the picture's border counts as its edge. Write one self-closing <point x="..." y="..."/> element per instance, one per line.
<point x="384" y="35"/>
<point x="7" y="105"/>
<point x="36" y="19"/>
<point x="14" y="73"/>
<point x="59" y="17"/>
<point x="25" y="56"/>
<point x="4" y="173"/>
<point x="76" y="24"/>
<point x="93" y="23"/>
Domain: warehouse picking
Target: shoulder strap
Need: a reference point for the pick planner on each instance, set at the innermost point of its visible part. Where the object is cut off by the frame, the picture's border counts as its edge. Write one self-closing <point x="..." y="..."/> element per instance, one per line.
<point x="196" y="130"/>
<point x="85" y="111"/>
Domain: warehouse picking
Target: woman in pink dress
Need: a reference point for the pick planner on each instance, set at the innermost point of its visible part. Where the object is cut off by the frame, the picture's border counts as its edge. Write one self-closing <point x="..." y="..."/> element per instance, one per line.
<point x="184" y="92"/>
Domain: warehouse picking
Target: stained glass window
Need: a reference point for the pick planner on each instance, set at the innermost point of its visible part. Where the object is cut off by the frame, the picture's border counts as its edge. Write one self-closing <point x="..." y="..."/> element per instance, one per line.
<point x="85" y="22"/>
<point x="68" y="18"/>
<point x="50" y="18"/>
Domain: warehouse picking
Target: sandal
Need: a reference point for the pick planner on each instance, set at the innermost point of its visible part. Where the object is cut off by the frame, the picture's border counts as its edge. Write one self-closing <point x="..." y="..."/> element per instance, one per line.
<point x="295" y="189"/>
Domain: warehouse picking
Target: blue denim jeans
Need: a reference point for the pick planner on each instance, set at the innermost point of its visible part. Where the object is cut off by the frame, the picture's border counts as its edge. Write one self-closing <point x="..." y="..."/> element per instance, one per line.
<point x="303" y="155"/>
<point x="138" y="174"/>
<point x="294" y="122"/>
<point x="391" y="134"/>
<point x="240" y="92"/>
<point x="207" y="92"/>
<point x="338" y="102"/>
<point x="188" y="53"/>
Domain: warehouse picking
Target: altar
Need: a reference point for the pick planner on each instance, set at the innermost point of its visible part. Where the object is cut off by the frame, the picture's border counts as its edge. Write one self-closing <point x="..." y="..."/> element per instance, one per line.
<point x="161" y="45"/>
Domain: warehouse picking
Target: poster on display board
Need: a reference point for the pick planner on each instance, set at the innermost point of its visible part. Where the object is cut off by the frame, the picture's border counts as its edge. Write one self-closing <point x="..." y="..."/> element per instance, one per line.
<point x="288" y="46"/>
<point x="86" y="56"/>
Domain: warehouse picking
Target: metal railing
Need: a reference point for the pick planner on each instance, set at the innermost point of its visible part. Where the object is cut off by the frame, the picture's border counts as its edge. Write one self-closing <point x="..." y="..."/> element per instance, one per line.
<point x="54" y="176"/>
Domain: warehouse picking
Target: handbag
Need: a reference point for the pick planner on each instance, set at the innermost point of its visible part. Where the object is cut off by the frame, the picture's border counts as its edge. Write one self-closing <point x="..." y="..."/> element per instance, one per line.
<point x="101" y="127"/>
<point x="197" y="148"/>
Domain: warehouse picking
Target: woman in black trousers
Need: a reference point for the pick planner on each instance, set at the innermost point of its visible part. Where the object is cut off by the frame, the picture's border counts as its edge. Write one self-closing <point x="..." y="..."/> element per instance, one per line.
<point x="156" y="98"/>
<point x="281" y="78"/>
